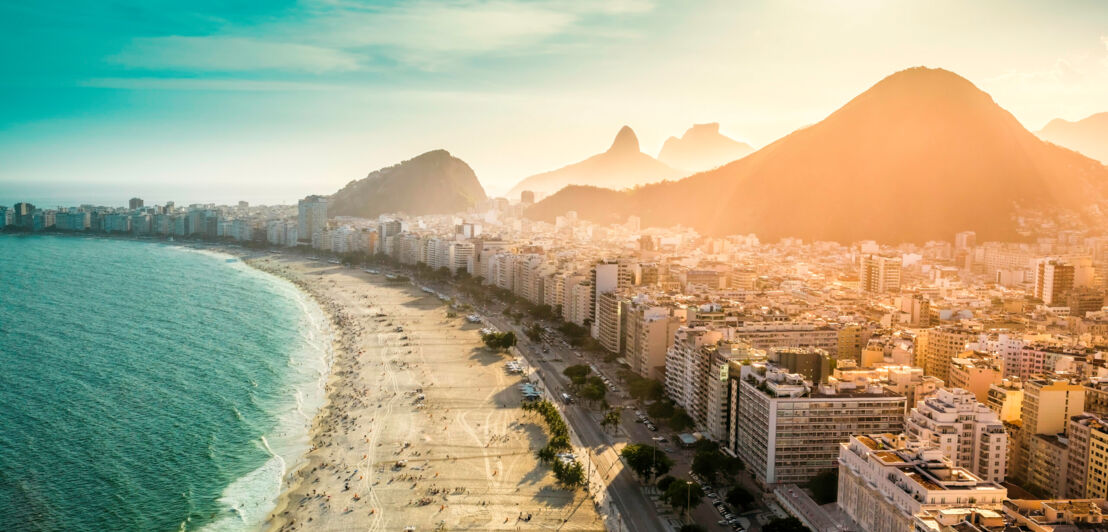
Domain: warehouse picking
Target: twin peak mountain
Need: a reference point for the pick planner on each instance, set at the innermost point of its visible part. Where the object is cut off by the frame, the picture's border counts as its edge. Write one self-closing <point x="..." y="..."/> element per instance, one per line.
<point x="918" y="156"/>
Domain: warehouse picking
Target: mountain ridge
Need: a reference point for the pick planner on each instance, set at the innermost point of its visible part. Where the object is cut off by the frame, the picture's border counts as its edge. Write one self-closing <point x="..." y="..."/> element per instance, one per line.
<point x="434" y="182"/>
<point x="702" y="147"/>
<point x="1088" y="136"/>
<point x="622" y="165"/>
<point x="920" y="155"/>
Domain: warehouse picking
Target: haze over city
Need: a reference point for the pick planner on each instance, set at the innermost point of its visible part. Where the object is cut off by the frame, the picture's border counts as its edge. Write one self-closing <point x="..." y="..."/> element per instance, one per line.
<point x="275" y="101"/>
<point x="635" y="265"/>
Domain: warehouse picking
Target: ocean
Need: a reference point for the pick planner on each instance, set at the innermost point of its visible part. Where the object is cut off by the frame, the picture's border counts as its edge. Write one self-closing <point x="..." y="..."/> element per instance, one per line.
<point x="147" y="386"/>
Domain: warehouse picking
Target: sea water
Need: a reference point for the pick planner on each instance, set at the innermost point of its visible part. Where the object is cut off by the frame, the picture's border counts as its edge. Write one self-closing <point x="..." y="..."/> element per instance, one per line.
<point x="146" y="386"/>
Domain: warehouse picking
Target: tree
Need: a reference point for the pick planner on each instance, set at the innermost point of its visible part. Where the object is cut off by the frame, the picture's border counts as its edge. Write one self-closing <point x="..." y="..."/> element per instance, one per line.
<point x="534" y="332"/>
<point x="577" y="373"/>
<point x="709" y="461"/>
<point x="790" y="524"/>
<point x="499" y="341"/>
<point x="739" y="497"/>
<point x="664" y="483"/>
<point x="542" y="312"/>
<point x="683" y="494"/>
<point x="569" y="474"/>
<point x="612" y="418"/>
<point x="593" y="392"/>
<point x="646" y="460"/>
<point x="680" y="420"/>
<point x="644" y="389"/>
<point x="661" y="409"/>
<point x="825" y="486"/>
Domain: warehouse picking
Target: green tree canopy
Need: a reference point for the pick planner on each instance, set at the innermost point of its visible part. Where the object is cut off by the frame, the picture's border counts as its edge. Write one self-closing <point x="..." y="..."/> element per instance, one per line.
<point x="646" y="460"/>
<point x="684" y="494"/>
<point x="739" y="497"/>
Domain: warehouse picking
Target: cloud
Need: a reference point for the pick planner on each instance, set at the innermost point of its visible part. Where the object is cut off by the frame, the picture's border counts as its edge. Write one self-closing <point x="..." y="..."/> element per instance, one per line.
<point x="326" y="36"/>
<point x="228" y="53"/>
<point x="428" y="35"/>
<point x="224" y="85"/>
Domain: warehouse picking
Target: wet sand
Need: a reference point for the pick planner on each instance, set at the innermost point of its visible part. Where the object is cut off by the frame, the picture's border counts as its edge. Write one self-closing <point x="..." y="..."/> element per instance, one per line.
<point x="422" y="426"/>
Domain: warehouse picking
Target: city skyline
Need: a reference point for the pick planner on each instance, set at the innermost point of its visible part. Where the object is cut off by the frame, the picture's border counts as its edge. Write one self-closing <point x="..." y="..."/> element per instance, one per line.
<point x="301" y="98"/>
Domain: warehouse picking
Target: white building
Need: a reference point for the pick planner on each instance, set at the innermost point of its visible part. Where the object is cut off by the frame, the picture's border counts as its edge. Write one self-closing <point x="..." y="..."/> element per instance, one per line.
<point x="788" y="431"/>
<point x="311" y="216"/>
<point x="886" y="480"/>
<point x="966" y="431"/>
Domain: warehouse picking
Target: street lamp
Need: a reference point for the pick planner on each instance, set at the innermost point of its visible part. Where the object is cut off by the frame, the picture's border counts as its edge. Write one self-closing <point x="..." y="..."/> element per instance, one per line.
<point x="654" y="455"/>
<point x="688" y="499"/>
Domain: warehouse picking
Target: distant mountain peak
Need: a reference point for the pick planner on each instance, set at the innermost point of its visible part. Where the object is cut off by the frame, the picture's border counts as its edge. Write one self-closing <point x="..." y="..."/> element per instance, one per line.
<point x="1088" y="135"/>
<point x="702" y="147"/>
<point x="923" y="153"/>
<point x="624" y="165"/>
<point x="711" y="128"/>
<point x="626" y="141"/>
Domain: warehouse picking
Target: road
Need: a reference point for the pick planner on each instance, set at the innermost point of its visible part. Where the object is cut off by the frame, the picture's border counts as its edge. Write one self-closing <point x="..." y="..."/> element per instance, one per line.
<point x="636" y="510"/>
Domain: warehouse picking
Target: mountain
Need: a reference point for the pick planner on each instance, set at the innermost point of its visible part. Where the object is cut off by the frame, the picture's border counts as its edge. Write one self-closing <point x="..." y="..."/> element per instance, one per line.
<point x="1088" y="135"/>
<point x="919" y="156"/>
<point x="433" y="183"/>
<point x="622" y="166"/>
<point x="701" y="148"/>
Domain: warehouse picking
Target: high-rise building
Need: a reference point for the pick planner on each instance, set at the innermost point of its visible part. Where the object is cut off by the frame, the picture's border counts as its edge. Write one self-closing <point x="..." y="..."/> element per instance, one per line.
<point x="789" y="430"/>
<point x="135" y="203"/>
<point x="1053" y="281"/>
<point x="1006" y="399"/>
<point x="312" y="216"/>
<point x="965" y="240"/>
<point x="647" y="335"/>
<point x="1087" y="466"/>
<point x="527" y="197"/>
<point x="936" y="346"/>
<point x="1047" y="406"/>
<point x="879" y="274"/>
<point x="966" y="431"/>
<point x="608" y="321"/>
<point x="21" y="214"/>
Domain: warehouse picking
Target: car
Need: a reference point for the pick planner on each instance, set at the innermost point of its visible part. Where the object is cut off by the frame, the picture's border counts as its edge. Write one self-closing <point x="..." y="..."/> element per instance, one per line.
<point x="713" y="496"/>
<point x="652" y="428"/>
<point x="662" y="439"/>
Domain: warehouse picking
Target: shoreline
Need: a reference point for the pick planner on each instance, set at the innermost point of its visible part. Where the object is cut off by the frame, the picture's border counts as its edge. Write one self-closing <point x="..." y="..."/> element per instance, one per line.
<point x="291" y="478"/>
<point x="408" y="380"/>
<point x="412" y="384"/>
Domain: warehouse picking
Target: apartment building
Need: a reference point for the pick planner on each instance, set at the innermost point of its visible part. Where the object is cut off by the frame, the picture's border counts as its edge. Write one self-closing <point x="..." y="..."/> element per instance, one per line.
<point x="767" y="335"/>
<point x="878" y="275"/>
<point x="1006" y="399"/>
<point x="885" y="480"/>
<point x="647" y="336"/>
<point x="974" y="371"/>
<point x="966" y="431"/>
<point x="1047" y="406"/>
<point x="936" y="346"/>
<point x="788" y="430"/>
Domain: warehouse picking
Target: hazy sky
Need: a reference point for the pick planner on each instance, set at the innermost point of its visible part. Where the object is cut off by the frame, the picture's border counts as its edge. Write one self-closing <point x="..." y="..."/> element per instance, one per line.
<point x="268" y="101"/>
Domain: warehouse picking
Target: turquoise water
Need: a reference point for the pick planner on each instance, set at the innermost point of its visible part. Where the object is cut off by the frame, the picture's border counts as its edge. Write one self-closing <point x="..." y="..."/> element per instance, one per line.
<point x="149" y="387"/>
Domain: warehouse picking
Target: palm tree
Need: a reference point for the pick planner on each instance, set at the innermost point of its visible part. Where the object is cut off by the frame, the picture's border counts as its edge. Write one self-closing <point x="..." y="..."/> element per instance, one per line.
<point x="612" y="418"/>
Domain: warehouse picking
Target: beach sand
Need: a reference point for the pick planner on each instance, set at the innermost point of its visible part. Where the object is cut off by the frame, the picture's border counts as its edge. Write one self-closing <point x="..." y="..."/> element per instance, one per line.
<point x="468" y="447"/>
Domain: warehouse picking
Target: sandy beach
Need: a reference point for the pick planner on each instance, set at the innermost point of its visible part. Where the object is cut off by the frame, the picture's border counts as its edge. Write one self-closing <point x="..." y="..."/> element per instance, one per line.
<point x="422" y="427"/>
